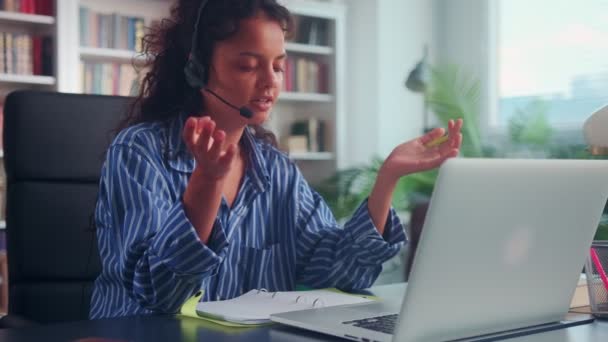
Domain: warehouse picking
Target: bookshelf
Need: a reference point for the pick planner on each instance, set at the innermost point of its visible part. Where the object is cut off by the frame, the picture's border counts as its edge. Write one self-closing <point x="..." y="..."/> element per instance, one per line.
<point x="319" y="41"/>
<point x="309" y="49"/>
<point x="305" y="97"/>
<point x="24" y="57"/>
<point x="25" y="18"/>
<point x="110" y="55"/>
<point x="27" y="79"/>
<point x="303" y="101"/>
<point x="104" y="40"/>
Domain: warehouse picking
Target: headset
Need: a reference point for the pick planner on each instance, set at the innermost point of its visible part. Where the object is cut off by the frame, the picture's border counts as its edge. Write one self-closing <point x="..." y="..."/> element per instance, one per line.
<point x="196" y="72"/>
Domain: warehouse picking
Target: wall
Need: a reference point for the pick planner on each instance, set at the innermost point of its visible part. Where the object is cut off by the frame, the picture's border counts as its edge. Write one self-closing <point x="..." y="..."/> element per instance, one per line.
<point x="464" y="38"/>
<point x="385" y="39"/>
<point x="361" y="81"/>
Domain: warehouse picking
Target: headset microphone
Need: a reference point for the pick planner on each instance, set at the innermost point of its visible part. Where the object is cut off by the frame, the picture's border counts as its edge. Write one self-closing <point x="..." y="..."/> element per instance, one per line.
<point x="196" y="72"/>
<point x="244" y="111"/>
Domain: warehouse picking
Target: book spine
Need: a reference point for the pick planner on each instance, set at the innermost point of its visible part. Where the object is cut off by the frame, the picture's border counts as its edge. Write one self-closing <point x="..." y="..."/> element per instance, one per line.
<point x="131" y="34"/>
<point x="139" y="34"/>
<point x="8" y="43"/>
<point x="2" y="53"/>
<point x="48" y="63"/>
<point x="83" y="23"/>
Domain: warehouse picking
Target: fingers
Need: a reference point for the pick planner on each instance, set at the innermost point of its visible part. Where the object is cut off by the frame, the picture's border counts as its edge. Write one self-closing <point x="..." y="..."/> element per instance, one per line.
<point x="452" y="153"/>
<point x="226" y="159"/>
<point x="448" y="153"/>
<point x="457" y="142"/>
<point x="202" y="137"/>
<point x="439" y="158"/>
<point x="451" y="149"/>
<point x="216" y="146"/>
<point x="189" y="133"/>
<point x="206" y="127"/>
<point x="454" y="144"/>
<point x="454" y="128"/>
<point x="431" y="163"/>
<point x="432" y="135"/>
<point x="436" y="137"/>
<point x="206" y="143"/>
<point x="455" y="139"/>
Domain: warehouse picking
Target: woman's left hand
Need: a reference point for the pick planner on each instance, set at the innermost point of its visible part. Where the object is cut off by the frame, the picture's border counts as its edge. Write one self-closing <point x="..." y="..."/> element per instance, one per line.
<point x="415" y="156"/>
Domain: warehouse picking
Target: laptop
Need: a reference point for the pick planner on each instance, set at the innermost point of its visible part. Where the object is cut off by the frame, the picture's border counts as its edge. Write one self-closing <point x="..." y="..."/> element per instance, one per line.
<point x="500" y="255"/>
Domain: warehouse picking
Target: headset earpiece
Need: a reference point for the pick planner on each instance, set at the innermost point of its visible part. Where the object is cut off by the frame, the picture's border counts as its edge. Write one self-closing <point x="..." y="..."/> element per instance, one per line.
<point x="195" y="73"/>
<point x="194" y="70"/>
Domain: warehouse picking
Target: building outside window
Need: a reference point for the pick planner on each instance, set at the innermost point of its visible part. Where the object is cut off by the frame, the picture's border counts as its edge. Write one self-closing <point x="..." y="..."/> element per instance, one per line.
<point x="552" y="59"/>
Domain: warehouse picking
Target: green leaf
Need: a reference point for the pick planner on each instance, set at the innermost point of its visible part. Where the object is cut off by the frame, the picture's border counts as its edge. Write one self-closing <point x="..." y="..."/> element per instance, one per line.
<point x="454" y="94"/>
<point x="530" y="126"/>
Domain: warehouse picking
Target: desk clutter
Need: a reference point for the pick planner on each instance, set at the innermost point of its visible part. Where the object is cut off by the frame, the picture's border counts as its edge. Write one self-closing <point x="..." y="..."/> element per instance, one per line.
<point x="596" y="269"/>
<point x="256" y="306"/>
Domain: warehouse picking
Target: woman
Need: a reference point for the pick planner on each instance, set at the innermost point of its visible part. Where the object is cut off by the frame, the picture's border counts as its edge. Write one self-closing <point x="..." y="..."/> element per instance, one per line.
<point x="194" y="195"/>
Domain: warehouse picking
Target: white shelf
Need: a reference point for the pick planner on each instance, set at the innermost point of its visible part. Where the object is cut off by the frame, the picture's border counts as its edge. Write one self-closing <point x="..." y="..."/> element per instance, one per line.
<point x="16" y="17"/>
<point x="116" y="55"/>
<point x="308" y="97"/>
<point x="309" y="49"/>
<point x="312" y="156"/>
<point x="27" y="79"/>
<point x="2" y="225"/>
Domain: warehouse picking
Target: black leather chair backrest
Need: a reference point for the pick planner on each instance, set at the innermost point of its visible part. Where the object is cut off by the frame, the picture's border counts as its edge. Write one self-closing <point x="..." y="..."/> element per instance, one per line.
<point x="54" y="146"/>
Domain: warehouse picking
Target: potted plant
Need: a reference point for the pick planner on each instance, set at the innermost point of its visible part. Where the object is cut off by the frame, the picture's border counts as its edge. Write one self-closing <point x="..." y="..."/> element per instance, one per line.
<point x="451" y="94"/>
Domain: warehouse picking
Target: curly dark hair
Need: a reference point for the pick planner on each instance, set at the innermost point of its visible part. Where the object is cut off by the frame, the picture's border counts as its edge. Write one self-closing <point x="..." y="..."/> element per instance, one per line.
<point x="164" y="92"/>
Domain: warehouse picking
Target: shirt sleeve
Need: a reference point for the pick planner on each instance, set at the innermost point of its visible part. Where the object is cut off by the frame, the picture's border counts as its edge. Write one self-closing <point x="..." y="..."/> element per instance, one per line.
<point x="348" y="258"/>
<point x="147" y="235"/>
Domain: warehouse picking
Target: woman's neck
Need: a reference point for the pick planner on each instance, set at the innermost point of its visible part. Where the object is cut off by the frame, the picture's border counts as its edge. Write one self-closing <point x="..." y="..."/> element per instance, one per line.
<point x="234" y="131"/>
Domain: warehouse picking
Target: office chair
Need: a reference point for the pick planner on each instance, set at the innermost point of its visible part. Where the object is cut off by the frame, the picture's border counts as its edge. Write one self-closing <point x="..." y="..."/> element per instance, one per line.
<point x="54" y="148"/>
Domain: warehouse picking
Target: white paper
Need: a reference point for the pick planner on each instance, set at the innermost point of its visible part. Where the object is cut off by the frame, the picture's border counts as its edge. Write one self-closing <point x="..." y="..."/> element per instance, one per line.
<point x="255" y="306"/>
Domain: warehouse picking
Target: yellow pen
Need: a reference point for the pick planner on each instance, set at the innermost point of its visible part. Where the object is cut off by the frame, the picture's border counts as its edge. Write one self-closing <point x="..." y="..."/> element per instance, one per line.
<point x="437" y="141"/>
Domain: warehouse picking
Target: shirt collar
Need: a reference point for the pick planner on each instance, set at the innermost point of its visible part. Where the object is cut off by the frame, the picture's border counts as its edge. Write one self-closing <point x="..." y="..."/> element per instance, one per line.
<point x="257" y="165"/>
<point x="180" y="159"/>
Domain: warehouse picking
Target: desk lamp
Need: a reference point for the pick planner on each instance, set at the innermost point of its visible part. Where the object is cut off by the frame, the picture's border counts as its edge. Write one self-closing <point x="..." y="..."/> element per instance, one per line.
<point x="417" y="81"/>
<point x="596" y="132"/>
<point x="596" y="135"/>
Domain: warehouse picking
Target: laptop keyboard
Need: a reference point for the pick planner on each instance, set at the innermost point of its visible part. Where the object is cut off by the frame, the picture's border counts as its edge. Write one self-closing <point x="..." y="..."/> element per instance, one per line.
<point x="385" y="324"/>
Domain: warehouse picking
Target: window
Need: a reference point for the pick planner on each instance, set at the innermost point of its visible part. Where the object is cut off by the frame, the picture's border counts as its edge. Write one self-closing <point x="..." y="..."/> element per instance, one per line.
<point x="552" y="59"/>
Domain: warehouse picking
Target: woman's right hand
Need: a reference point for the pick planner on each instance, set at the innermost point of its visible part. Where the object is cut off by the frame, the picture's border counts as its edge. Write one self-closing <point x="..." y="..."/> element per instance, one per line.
<point x="203" y="195"/>
<point x="205" y="142"/>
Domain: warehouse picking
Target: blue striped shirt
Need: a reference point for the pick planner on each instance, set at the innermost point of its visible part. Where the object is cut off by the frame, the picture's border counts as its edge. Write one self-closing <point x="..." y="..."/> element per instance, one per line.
<point x="278" y="233"/>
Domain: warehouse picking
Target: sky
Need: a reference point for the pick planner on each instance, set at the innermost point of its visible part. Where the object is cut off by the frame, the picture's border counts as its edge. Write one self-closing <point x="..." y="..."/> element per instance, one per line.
<point x="544" y="44"/>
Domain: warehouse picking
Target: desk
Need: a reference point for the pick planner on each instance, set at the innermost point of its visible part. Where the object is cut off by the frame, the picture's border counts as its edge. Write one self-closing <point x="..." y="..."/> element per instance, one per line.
<point x="172" y="328"/>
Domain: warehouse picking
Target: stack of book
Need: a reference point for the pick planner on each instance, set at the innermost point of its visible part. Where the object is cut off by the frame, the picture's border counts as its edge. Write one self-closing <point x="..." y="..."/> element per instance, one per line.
<point x="306" y="136"/>
<point x="110" y="30"/>
<point x="309" y="30"/>
<point x="25" y="54"/>
<point x="303" y="74"/>
<point x="110" y="79"/>
<point x="42" y="7"/>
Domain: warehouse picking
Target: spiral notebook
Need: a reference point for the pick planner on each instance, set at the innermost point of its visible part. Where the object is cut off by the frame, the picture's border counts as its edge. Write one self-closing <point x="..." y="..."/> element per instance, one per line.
<point x="256" y="306"/>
